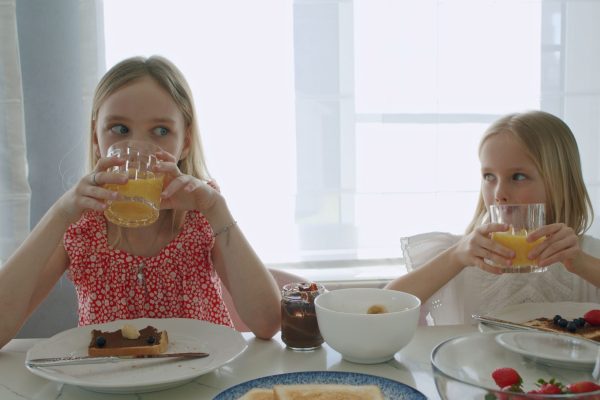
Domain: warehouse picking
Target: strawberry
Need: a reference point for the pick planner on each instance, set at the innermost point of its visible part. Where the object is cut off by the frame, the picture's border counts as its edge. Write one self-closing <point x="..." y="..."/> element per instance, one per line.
<point x="549" y="388"/>
<point x="582" y="387"/>
<point x="507" y="377"/>
<point x="592" y="317"/>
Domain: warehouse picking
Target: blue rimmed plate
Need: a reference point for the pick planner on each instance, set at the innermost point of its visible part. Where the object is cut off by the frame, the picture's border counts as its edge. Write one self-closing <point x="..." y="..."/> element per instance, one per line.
<point x="391" y="389"/>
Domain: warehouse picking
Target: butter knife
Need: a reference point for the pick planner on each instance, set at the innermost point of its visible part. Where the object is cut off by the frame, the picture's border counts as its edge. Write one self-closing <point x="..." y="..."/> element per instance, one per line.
<point x="57" y="361"/>
<point x="503" y="323"/>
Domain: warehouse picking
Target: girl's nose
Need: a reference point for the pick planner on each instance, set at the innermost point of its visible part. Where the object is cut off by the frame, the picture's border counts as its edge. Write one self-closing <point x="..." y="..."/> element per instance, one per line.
<point x="501" y="197"/>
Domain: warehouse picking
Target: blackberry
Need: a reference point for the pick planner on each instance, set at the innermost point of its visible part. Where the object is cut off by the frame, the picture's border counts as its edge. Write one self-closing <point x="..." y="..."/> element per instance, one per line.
<point x="100" y="341"/>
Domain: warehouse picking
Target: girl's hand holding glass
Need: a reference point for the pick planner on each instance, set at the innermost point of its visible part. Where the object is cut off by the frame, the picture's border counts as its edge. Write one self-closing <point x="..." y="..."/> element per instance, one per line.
<point x="522" y="220"/>
<point x="181" y="191"/>
<point x="561" y="245"/>
<point x="90" y="193"/>
<point x="477" y="248"/>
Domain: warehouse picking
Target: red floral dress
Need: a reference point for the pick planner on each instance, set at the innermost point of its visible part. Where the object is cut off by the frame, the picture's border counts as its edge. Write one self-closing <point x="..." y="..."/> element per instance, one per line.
<point x="111" y="284"/>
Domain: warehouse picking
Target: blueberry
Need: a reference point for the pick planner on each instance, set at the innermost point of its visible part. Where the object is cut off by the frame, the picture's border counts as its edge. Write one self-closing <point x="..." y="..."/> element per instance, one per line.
<point x="571" y="327"/>
<point x="563" y="323"/>
<point x="151" y="340"/>
<point x="556" y="319"/>
<point x="100" y="341"/>
<point x="580" y="322"/>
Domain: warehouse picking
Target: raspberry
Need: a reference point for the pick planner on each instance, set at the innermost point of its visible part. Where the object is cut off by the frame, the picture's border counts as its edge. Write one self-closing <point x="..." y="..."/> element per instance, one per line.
<point x="592" y="317"/>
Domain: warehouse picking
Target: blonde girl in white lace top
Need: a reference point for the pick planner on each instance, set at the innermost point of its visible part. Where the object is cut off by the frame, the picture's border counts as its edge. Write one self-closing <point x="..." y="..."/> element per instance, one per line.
<point x="530" y="157"/>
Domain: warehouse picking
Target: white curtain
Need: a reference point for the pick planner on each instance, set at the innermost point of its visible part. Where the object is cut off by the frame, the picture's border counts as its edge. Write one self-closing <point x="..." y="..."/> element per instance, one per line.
<point x="15" y="193"/>
<point x="62" y="59"/>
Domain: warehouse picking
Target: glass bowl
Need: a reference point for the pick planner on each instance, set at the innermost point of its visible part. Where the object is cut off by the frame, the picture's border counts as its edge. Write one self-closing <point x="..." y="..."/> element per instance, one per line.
<point x="463" y="366"/>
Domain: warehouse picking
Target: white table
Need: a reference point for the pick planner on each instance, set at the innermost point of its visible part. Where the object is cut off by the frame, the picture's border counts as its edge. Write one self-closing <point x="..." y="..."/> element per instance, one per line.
<point x="262" y="358"/>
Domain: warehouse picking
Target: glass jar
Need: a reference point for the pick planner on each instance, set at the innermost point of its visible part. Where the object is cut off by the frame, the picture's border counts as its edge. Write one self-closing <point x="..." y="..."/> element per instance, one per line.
<point x="299" y="328"/>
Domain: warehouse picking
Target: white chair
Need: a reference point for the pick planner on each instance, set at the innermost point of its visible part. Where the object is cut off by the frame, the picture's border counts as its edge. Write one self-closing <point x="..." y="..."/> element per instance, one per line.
<point x="281" y="277"/>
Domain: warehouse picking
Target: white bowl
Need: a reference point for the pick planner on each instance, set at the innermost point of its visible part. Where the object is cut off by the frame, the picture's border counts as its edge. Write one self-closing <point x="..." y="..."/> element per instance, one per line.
<point x="367" y="338"/>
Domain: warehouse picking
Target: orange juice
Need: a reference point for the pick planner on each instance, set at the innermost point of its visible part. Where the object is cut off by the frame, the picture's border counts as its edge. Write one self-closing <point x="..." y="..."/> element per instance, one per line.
<point x="519" y="244"/>
<point x="140" y="203"/>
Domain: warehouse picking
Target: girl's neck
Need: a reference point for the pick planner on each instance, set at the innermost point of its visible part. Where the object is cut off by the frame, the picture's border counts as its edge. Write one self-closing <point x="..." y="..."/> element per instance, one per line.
<point x="149" y="240"/>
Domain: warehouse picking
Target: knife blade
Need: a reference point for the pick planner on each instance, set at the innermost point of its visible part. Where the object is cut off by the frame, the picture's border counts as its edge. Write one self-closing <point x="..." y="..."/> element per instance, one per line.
<point x="503" y="323"/>
<point x="57" y="361"/>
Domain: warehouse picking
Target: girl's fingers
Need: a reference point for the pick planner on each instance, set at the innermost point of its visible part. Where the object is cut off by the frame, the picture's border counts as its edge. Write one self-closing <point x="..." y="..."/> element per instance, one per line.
<point x="564" y="256"/>
<point x="554" y="242"/>
<point x="489" y="268"/>
<point x="88" y="203"/>
<point x="99" y="179"/>
<point x="107" y="162"/>
<point x="488" y="229"/>
<point x="556" y="247"/>
<point x="496" y="258"/>
<point x="166" y="156"/>
<point x="175" y="185"/>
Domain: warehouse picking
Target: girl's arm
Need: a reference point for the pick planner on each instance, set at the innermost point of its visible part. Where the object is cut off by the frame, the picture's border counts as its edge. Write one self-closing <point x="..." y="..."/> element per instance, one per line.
<point x="430" y="277"/>
<point x="587" y="267"/>
<point x="253" y="289"/>
<point x="470" y="250"/>
<point x="30" y="273"/>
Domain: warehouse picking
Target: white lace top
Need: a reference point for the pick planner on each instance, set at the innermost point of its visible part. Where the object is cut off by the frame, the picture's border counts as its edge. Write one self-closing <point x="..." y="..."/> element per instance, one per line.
<point x="476" y="291"/>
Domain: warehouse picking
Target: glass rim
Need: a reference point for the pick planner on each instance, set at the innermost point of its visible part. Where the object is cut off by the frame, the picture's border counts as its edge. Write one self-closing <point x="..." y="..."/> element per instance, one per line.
<point x="141" y="146"/>
<point x="517" y="204"/>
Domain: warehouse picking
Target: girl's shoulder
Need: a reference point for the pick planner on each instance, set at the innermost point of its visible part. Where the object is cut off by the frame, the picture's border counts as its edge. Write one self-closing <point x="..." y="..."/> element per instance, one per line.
<point x="90" y="221"/>
<point x="419" y="249"/>
<point x="590" y="245"/>
<point x="90" y="229"/>
<point x="196" y="224"/>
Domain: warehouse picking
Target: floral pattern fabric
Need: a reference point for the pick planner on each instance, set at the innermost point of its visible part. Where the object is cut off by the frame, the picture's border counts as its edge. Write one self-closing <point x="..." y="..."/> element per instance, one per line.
<point x="111" y="284"/>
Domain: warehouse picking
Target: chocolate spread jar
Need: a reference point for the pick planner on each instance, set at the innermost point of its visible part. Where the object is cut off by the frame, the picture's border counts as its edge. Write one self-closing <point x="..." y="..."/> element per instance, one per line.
<point x="299" y="328"/>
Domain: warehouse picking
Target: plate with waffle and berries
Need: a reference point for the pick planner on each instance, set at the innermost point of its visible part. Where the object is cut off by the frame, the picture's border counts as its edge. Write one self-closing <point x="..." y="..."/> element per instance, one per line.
<point x="571" y="318"/>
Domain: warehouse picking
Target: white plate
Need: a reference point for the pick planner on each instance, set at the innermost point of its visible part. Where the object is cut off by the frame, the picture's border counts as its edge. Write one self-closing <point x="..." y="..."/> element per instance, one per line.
<point x="528" y="311"/>
<point x="391" y="389"/>
<point x="551" y="349"/>
<point x="142" y="375"/>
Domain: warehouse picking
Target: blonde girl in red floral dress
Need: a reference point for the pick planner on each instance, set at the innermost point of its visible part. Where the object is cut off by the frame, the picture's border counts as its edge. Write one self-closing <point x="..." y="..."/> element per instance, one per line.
<point x="172" y="268"/>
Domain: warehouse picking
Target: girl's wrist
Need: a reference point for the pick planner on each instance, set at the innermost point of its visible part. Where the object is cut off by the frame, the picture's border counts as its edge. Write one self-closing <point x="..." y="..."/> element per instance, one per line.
<point x="218" y="215"/>
<point x="454" y="259"/>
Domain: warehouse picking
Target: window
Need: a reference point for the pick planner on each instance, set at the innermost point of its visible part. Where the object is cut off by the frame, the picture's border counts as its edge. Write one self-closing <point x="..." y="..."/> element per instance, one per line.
<point x="336" y="127"/>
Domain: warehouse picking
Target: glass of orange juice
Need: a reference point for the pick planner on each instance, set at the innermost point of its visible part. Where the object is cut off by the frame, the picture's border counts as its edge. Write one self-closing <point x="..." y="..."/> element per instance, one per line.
<point x="139" y="203"/>
<point x="522" y="220"/>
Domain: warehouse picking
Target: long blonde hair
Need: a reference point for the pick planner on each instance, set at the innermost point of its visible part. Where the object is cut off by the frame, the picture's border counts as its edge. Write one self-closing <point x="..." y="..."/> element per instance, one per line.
<point x="552" y="147"/>
<point x="169" y="78"/>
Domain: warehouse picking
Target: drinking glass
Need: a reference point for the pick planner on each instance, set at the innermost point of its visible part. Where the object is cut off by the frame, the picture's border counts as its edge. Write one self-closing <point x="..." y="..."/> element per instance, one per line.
<point x="299" y="327"/>
<point x="139" y="203"/>
<point x="522" y="220"/>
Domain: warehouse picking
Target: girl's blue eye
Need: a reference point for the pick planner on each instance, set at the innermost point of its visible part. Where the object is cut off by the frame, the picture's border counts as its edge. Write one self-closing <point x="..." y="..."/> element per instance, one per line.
<point x="519" y="176"/>
<point x="488" y="177"/>
<point x="160" y="131"/>
<point x="119" y="129"/>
